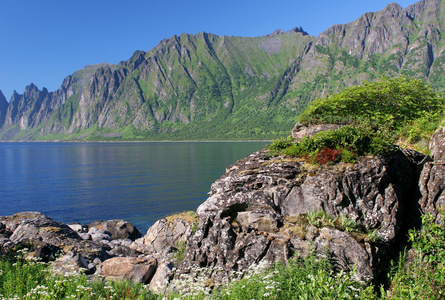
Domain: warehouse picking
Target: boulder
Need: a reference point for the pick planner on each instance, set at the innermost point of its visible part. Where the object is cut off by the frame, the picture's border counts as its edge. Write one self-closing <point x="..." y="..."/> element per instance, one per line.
<point x="69" y="264"/>
<point x="99" y="235"/>
<point x="345" y="252"/>
<point x="371" y="193"/>
<point x="119" y="229"/>
<point x="139" y="269"/>
<point x="432" y="188"/>
<point x="165" y="234"/>
<point x="40" y="230"/>
<point x="79" y="228"/>
<point x="13" y="221"/>
<point x="39" y="227"/>
<point x="300" y="131"/>
<point x="161" y="278"/>
<point x="260" y="220"/>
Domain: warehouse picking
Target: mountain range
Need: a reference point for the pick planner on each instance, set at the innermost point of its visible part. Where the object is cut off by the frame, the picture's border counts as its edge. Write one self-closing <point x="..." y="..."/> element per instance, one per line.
<point x="203" y="86"/>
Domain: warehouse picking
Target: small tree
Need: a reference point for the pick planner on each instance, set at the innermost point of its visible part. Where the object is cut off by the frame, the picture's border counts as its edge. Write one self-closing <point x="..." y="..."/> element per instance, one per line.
<point x="387" y="103"/>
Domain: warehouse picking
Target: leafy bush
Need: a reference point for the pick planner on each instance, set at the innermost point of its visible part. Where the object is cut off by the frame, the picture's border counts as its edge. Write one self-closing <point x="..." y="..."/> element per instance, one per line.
<point x="343" y="144"/>
<point x="388" y="103"/>
<point x="376" y="115"/>
<point x="328" y="155"/>
<point x="278" y="145"/>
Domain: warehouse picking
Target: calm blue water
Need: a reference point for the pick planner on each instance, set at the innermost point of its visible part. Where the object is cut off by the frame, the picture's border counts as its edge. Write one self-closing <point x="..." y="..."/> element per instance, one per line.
<point x="138" y="182"/>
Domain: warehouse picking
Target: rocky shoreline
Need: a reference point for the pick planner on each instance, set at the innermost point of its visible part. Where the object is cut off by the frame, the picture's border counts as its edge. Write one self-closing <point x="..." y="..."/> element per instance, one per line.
<point x="263" y="209"/>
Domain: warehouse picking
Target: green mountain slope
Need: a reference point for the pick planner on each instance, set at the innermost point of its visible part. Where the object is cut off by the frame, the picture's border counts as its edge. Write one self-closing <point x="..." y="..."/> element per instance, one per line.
<point x="205" y="86"/>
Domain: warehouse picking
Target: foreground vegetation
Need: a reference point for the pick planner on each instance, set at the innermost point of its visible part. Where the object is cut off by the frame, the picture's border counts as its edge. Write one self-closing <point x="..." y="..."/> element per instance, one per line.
<point x="422" y="277"/>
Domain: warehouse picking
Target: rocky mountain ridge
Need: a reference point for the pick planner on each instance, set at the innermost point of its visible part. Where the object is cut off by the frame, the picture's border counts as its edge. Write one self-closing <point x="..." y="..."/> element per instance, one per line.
<point x="205" y="86"/>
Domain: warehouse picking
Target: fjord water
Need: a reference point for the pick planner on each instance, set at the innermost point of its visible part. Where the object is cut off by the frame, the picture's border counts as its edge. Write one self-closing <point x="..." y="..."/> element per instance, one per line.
<point x="138" y="182"/>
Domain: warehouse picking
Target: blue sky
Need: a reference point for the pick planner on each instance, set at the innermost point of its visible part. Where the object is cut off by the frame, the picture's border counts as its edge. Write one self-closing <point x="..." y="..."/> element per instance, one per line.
<point x="43" y="41"/>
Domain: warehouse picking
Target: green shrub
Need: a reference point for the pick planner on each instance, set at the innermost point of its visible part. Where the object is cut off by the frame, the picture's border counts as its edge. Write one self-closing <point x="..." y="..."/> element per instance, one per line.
<point x="279" y="145"/>
<point x="387" y="103"/>
<point x="343" y="144"/>
<point x="348" y="156"/>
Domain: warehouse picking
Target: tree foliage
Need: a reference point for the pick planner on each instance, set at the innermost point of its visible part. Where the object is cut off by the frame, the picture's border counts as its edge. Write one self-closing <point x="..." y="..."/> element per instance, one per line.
<point x="387" y="103"/>
<point x="375" y="115"/>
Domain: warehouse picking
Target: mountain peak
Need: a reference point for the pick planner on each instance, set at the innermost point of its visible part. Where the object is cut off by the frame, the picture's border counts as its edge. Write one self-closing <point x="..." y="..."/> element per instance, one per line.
<point x="277" y="32"/>
<point x="293" y="30"/>
<point x="299" y="30"/>
<point x="31" y="87"/>
<point x="3" y="108"/>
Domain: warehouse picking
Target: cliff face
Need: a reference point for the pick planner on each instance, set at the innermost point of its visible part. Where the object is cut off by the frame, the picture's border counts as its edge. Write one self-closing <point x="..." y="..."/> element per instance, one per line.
<point x="205" y="86"/>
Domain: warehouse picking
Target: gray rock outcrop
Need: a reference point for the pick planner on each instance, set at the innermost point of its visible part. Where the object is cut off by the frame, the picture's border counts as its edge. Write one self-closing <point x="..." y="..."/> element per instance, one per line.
<point x="432" y="177"/>
<point x="247" y="218"/>
<point x="437" y="145"/>
<point x="166" y="235"/>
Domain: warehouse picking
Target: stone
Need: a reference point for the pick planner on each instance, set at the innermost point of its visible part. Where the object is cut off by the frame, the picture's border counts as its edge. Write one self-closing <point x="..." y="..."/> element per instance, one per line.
<point x="432" y="178"/>
<point x="86" y="236"/>
<point x="260" y="220"/>
<point x="164" y="234"/>
<point x="2" y="228"/>
<point x="46" y="252"/>
<point x="432" y="188"/>
<point x="345" y="253"/>
<point x="70" y="263"/>
<point x="300" y="131"/>
<point x="370" y="193"/>
<point x="99" y="234"/>
<point x="40" y="230"/>
<point x="118" y="229"/>
<point x="79" y="228"/>
<point x="159" y="282"/>
<point x="139" y="269"/>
